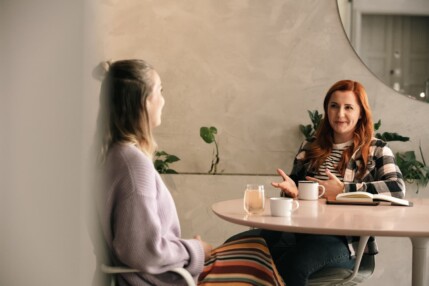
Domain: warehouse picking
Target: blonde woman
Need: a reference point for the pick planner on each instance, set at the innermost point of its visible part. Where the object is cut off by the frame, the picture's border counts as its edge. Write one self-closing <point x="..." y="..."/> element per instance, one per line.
<point x="137" y="213"/>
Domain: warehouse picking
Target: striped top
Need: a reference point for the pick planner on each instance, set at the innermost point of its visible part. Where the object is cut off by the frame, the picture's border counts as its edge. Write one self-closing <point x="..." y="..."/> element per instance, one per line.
<point x="332" y="161"/>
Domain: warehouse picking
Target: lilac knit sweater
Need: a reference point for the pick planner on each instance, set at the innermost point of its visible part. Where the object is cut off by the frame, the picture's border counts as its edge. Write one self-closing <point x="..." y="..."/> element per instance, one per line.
<point x="140" y="222"/>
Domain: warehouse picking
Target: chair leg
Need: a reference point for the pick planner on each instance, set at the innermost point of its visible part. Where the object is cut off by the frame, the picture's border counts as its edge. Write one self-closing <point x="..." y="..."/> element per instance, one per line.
<point x="186" y="275"/>
<point x="361" y="248"/>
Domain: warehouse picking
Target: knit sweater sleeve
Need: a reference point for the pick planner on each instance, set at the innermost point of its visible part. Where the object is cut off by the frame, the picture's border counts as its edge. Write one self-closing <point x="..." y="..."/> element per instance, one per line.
<point x="146" y="231"/>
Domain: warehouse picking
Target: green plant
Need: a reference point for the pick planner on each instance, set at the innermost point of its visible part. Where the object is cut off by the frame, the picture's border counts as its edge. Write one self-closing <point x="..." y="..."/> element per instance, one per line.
<point x="310" y="129"/>
<point x="208" y="135"/>
<point x="413" y="170"/>
<point x="162" y="162"/>
<point x="389" y="136"/>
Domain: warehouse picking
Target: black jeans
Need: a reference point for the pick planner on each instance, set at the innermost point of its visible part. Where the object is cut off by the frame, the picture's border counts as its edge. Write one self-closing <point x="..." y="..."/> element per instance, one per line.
<point x="297" y="256"/>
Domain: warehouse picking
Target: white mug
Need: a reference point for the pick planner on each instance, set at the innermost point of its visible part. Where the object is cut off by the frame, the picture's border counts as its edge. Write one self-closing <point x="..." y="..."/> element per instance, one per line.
<point x="309" y="190"/>
<point x="282" y="206"/>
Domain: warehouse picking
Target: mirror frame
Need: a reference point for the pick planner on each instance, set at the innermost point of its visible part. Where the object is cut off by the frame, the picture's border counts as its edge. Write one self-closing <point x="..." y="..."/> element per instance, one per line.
<point x="352" y="23"/>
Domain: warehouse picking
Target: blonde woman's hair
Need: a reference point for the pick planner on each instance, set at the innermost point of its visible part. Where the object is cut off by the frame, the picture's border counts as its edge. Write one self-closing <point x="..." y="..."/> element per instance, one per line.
<point x="123" y="116"/>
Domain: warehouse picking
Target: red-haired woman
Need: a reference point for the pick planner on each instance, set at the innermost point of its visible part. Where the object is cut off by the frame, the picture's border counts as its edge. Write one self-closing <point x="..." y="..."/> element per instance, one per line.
<point x="343" y="157"/>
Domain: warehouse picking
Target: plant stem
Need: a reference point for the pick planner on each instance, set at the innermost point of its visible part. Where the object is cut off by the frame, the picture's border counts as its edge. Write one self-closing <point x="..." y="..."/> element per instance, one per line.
<point x="216" y="161"/>
<point x="421" y="154"/>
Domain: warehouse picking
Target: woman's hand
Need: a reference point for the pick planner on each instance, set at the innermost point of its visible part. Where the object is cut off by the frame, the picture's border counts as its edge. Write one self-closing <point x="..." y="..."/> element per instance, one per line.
<point x="206" y="247"/>
<point x="287" y="186"/>
<point x="333" y="186"/>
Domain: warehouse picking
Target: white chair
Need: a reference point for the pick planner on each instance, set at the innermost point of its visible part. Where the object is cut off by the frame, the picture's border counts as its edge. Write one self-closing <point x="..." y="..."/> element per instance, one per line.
<point x="112" y="270"/>
<point x="106" y="272"/>
<point x="364" y="268"/>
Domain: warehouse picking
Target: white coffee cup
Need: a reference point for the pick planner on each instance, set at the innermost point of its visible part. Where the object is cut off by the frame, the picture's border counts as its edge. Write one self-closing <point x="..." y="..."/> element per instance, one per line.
<point x="281" y="206"/>
<point x="309" y="190"/>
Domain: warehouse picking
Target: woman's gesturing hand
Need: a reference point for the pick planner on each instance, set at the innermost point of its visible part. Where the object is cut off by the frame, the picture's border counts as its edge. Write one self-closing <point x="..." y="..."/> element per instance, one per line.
<point x="333" y="185"/>
<point x="287" y="186"/>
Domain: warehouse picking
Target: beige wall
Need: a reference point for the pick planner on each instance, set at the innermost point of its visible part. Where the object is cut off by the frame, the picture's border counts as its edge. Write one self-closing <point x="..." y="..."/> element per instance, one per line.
<point x="250" y="68"/>
<point x="43" y="238"/>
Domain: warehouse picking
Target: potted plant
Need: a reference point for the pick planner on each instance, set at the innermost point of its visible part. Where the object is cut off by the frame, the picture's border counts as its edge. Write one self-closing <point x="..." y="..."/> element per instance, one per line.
<point x="413" y="170"/>
<point x="208" y="134"/>
<point x="162" y="162"/>
<point x="163" y="159"/>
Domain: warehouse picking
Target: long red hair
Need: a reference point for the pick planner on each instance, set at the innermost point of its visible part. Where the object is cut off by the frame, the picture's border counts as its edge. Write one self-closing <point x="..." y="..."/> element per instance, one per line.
<point x="322" y="146"/>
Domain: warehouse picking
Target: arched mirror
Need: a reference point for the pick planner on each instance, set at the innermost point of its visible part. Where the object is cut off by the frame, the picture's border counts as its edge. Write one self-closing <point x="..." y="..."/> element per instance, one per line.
<point x="392" y="39"/>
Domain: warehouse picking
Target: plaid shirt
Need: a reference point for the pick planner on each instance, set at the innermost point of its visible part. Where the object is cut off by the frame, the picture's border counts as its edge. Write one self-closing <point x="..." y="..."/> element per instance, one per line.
<point x="381" y="175"/>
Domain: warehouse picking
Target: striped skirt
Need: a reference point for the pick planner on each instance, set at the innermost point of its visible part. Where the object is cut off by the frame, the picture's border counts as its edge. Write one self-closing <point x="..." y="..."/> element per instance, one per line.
<point x="245" y="261"/>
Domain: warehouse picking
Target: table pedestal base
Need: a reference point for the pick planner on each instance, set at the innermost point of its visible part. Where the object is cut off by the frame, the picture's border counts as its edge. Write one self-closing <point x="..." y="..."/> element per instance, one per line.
<point x="420" y="264"/>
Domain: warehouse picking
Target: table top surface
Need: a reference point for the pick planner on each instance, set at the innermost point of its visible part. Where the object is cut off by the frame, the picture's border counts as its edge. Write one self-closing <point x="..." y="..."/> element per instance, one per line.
<point x="321" y="218"/>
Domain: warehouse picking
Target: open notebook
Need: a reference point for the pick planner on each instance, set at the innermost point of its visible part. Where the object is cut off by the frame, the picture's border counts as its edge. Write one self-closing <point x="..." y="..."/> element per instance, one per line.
<point x="368" y="198"/>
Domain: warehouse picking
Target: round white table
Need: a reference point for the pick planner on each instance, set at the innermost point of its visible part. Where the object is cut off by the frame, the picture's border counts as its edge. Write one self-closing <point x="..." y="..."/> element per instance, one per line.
<point x="352" y="220"/>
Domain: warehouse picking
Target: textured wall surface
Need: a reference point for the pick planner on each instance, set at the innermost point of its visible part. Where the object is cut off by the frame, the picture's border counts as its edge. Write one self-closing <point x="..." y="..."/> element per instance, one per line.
<point x="250" y="68"/>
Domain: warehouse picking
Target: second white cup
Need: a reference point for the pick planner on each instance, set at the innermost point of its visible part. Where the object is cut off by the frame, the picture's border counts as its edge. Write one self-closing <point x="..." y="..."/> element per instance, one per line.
<point x="281" y="206"/>
<point x="309" y="190"/>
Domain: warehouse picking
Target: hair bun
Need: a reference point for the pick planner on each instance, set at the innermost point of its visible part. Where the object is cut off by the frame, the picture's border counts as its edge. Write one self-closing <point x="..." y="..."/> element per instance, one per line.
<point x="101" y="70"/>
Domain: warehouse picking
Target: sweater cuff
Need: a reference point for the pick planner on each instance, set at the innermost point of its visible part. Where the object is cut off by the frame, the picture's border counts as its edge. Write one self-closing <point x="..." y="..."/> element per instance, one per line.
<point x="196" y="256"/>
